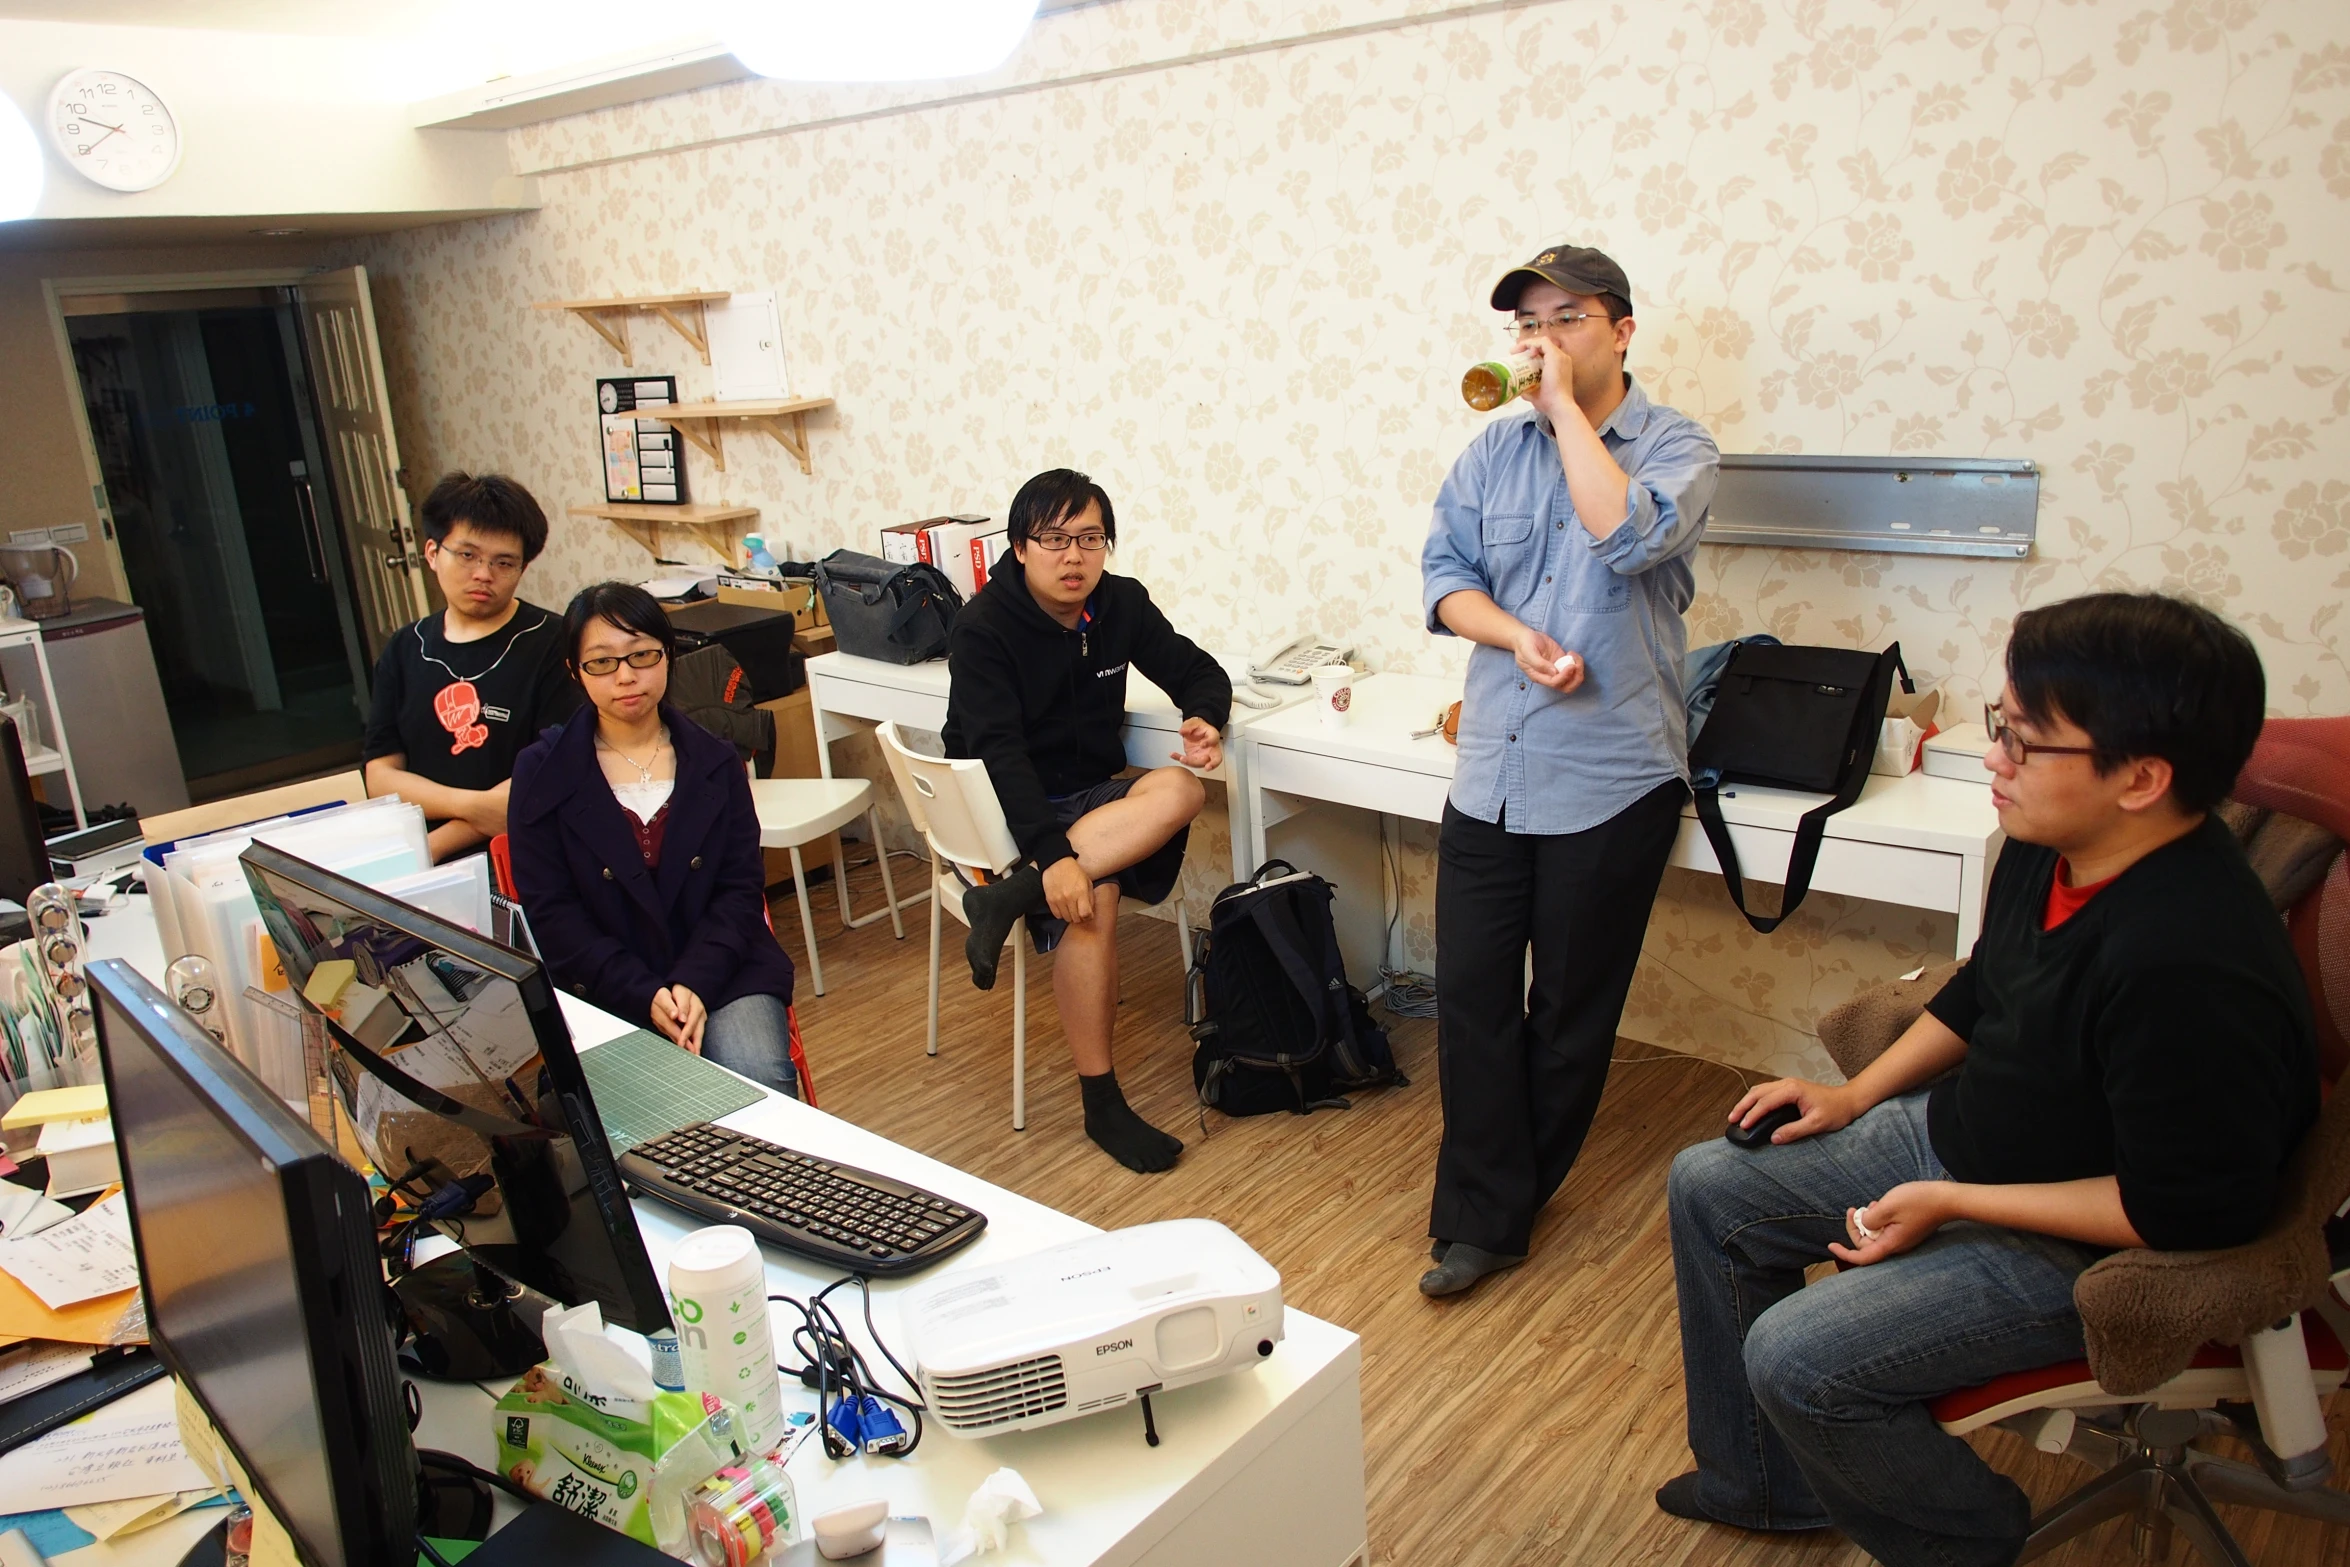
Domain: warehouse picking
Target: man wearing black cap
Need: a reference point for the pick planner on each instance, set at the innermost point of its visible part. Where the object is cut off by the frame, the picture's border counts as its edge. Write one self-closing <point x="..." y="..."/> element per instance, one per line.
<point x="1561" y="546"/>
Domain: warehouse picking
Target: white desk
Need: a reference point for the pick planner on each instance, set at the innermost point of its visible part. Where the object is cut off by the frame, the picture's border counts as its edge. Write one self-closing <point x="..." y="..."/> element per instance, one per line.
<point x="843" y="687"/>
<point x="1264" y="1466"/>
<point x="1920" y="842"/>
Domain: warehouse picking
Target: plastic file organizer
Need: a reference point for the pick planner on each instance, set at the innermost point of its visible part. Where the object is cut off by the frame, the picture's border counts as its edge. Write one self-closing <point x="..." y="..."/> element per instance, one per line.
<point x="203" y="904"/>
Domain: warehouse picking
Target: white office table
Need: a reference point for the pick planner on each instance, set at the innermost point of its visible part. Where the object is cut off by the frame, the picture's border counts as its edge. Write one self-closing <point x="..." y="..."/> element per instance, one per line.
<point x="1263" y="1466"/>
<point x="1919" y="842"/>
<point x="843" y="687"/>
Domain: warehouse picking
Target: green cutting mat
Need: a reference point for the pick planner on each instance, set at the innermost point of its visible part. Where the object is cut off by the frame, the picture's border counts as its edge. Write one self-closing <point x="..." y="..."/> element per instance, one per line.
<point x="645" y="1086"/>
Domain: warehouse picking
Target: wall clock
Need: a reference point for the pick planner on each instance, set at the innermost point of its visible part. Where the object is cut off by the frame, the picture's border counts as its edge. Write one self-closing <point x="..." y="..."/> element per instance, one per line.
<point x="113" y="130"/>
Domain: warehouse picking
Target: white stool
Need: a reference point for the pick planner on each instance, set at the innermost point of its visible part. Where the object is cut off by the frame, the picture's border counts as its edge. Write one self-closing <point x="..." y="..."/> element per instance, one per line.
<point x="793" y="811"/>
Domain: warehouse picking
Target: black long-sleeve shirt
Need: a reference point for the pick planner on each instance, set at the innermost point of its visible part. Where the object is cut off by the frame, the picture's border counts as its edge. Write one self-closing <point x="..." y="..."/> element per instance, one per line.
<point x="1043" y="705"/>
<point x="2161" y="1035"/>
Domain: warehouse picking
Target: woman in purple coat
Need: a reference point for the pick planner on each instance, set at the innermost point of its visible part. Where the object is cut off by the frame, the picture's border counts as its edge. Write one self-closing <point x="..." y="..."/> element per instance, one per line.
<point x="636" y="852"/>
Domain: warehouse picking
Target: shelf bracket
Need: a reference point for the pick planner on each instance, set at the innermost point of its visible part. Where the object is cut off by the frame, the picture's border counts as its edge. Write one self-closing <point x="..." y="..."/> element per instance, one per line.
<point x="696" y="334"/>
<point x="613" y="331"/>
<point x="703" y="433"/>
<point x="793" y="440"/>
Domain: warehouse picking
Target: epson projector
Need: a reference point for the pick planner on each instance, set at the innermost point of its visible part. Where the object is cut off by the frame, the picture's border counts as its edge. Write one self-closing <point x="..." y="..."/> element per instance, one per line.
<point x="1090" y="1325"/>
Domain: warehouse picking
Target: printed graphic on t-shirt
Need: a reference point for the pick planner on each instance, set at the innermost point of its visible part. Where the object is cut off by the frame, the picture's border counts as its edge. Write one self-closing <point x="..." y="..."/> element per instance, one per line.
<point x="457" y="705"/>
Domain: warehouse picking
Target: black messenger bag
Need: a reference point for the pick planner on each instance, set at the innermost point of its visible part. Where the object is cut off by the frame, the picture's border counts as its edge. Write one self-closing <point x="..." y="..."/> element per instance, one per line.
<point x="1797" y="718"/>
<point x="899" y="614"/>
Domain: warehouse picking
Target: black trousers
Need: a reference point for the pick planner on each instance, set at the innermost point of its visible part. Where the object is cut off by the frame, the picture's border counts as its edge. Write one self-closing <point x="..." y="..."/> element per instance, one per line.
<point x="1521" y="1069"/>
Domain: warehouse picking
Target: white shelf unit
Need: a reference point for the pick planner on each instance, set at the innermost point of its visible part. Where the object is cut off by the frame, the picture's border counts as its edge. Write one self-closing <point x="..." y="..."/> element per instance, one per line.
<point x="58" y="756"/>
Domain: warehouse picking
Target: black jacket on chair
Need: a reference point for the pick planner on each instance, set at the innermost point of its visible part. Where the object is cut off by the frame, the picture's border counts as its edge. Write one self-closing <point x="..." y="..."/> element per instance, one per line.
<point x="612" y="929"/>
<point x="1045" y="707"/>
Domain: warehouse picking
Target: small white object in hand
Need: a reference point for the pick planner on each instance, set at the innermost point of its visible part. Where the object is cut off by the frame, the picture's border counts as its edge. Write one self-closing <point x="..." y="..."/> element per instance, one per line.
<point x="1565" y="661"/>
<point x="1860" y="1225"/>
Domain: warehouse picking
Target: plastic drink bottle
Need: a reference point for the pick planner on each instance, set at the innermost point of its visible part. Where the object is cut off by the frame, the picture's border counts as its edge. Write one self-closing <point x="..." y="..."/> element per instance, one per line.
<point x="1495" y="381"/>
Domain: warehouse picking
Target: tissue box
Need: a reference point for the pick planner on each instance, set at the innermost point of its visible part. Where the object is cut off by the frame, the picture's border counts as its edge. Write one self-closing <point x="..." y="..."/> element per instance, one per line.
<point x="627" y="1465"/>
<point x="1909" y="719"/>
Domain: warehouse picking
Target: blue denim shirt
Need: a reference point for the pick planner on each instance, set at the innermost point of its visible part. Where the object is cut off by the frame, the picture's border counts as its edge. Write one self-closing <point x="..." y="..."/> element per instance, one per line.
<point x="1505" y="524"/>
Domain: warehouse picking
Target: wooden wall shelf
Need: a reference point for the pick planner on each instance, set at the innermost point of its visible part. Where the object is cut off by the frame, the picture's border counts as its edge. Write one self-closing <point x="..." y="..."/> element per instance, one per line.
<point x="701" y="423"/>
<point x="609" y="317"/>
<point x="720" y="527"/>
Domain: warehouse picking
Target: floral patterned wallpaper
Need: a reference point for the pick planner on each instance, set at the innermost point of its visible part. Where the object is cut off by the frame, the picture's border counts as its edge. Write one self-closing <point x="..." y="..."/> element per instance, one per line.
<point x="1232" y="258"/>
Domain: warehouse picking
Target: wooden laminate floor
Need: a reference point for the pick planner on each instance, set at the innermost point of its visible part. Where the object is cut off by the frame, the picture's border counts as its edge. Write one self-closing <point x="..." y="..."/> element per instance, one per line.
<point x="1527" y="1423"/>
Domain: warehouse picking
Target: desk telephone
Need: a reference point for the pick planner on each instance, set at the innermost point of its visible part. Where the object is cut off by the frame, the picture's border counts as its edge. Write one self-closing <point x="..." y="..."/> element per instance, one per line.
<point x="1293" y="664"/>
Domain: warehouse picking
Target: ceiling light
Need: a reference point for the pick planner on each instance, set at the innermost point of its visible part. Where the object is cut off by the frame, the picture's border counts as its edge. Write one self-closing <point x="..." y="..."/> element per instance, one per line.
<point x="21" y="167"/>
<point x="876" y="40"/>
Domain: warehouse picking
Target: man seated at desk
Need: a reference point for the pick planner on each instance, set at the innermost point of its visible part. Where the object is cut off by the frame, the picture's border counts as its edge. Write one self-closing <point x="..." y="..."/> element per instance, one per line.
<point x="459" y="694"/>
<point x="2126" y="1060"/>
<point x="1037" y="664"/>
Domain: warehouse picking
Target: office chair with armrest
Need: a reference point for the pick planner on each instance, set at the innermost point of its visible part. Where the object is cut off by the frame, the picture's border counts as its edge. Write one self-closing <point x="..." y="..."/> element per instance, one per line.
<point x="2240" y="1342"/>
<point x="955" y="808"/>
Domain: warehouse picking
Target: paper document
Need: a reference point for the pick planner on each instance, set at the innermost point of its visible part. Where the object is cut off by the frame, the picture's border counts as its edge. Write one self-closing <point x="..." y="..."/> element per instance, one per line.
<point x="24" y="1211"/>
<point x="108" y="1519"/>
<point x="128" y="1449"/>
<point x="28" y="1368"/>
<point x="77" y="1259"/>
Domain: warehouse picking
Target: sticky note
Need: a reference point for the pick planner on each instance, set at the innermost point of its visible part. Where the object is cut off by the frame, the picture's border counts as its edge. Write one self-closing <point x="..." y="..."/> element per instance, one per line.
<point x="328" y="981"/>
<point x="269" y="965"/>
<point x="44" y="1105"/>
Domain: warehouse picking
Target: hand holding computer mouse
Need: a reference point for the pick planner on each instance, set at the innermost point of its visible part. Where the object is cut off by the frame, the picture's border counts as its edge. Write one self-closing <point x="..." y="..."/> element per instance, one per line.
<point x="1793" y="1105"/>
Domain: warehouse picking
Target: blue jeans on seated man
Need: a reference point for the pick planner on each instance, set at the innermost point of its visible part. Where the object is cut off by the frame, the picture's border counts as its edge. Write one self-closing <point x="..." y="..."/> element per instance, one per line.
<point x="1807" y="1406"/>
<point x="752" y="1035"/>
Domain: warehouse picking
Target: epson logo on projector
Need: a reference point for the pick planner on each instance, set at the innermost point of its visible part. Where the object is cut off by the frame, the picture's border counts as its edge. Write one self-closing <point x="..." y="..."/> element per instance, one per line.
<point x="1113" y="1347"/>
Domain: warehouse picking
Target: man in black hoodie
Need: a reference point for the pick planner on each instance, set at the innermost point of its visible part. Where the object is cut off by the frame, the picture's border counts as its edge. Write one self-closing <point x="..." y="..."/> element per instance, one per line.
<point x="1038" y="663"/>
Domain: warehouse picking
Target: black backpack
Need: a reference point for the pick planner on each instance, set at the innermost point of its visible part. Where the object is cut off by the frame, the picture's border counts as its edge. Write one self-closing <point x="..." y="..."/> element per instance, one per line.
<point x="1799" y="718"/>
<point x="1278" y="1026"/>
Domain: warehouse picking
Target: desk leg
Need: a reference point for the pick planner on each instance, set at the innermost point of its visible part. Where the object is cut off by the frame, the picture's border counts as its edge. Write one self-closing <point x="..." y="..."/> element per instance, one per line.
<point x="1974" y="881"/>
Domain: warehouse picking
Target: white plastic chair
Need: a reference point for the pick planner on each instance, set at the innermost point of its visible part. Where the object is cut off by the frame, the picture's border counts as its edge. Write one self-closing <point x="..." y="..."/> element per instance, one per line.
<point x="794" y="811"/>
<point x="954" y="807"/>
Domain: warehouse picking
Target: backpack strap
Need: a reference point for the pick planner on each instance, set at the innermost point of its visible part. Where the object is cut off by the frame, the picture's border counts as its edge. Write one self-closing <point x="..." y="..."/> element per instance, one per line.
<point x="1287" y="942"/>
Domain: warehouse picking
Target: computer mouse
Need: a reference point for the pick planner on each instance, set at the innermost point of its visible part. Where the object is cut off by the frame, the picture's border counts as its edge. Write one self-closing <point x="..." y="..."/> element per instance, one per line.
<point x="1760" y="1132"/>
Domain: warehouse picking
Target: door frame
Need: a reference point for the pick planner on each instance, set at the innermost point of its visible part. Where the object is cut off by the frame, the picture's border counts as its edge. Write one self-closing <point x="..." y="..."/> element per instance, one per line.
<point x="56" y="290"/>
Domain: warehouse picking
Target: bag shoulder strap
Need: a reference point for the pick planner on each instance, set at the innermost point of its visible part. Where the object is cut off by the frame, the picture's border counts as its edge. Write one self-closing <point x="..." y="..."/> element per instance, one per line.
<point x="1803" y="858"/>
<point x="1286" y="939"/>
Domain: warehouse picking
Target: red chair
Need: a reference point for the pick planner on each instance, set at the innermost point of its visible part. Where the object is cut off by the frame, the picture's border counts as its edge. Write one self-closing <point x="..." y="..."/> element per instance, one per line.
<point x="2143" y="1396"/>
<point x="502" y="872"/>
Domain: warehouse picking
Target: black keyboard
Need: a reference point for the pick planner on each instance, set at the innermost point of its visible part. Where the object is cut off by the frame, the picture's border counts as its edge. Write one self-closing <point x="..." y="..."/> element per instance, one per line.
<point x="835" y="1214"/>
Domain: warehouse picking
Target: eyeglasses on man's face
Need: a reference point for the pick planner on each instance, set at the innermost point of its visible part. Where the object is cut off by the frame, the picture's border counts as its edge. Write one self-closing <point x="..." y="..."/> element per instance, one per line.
<point x="2018" y="749"/>
<point x="642" y="658"/>
<point x="1531" y="326"/>
<point x="1056" y="541"/>
<point x="468" y="557"/>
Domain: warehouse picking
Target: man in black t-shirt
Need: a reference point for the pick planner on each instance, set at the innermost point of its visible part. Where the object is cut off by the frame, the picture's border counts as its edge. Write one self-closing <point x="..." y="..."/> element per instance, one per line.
<point x="2127" y="1059"/>
<point x="459" y="694"/>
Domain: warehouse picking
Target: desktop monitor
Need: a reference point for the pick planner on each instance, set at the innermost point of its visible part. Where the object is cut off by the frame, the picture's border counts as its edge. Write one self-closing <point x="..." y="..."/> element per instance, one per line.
<point x="264" y="1294"/>
<point x="461" y="1084"/>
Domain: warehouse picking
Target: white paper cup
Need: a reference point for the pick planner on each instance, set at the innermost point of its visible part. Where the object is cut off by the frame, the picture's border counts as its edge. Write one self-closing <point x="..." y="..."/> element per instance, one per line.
<point x="1334" y="694"/>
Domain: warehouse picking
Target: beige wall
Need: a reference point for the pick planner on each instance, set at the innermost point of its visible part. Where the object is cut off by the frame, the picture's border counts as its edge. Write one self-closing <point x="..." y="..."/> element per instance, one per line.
<point x="1232" y="259"/>
<point x="49" y="480"/>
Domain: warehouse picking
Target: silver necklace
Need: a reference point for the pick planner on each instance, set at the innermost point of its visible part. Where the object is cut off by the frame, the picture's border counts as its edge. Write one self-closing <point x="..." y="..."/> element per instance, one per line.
<point x="516" y="635"/>
<point x="644" y="768"/>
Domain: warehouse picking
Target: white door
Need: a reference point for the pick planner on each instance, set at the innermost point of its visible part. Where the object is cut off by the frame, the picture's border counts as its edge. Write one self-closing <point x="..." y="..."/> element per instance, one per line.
<point x="363" y="458"/>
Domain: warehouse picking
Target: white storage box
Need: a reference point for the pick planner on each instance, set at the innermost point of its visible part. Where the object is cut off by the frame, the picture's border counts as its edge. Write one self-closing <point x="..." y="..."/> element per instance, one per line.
<point x="1958" y="753"/>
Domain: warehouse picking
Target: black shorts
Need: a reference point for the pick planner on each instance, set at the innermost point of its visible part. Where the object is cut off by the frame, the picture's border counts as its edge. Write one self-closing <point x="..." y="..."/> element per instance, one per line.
<point x="1150" y="880"/>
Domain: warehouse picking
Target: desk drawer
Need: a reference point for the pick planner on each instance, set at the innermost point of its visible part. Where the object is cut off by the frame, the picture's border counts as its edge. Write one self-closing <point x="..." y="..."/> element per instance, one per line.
<point x="1389" y="789"/>
<point x="1911" y="878"/>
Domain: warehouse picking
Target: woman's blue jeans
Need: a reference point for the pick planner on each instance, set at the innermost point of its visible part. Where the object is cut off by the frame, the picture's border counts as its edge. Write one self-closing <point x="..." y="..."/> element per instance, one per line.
<point x="752" y="1035"/>
<point x="1807" y="1406"/>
